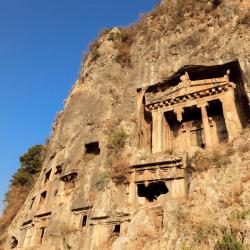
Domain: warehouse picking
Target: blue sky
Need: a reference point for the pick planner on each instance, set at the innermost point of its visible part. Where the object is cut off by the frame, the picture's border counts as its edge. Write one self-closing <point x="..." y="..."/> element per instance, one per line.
<point x="41" y="43"/>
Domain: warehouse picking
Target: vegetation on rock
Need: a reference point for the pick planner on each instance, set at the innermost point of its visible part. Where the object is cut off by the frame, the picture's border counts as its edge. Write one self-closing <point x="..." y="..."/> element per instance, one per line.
<point x="21" y="183"/>
<point x="229" y="241"/>
<point x="117" y="140"/>
<point x="118" y="166"/>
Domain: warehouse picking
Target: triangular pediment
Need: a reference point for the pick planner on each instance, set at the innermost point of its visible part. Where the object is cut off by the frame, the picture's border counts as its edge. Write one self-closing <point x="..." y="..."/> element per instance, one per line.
<point x="187" y="87"/>
<point x="190" y="87"/>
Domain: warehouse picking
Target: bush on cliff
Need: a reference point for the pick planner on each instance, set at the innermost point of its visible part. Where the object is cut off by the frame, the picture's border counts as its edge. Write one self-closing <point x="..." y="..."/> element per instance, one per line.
<point x="229" y="241"/>
<point x="20" y="185"/>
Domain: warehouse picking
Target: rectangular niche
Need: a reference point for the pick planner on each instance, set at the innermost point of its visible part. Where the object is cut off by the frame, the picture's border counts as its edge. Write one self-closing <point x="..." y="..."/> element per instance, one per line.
<point x="43" y="198"/>
<point x="69" y="180"/>
<point x="117" y="230"/>
<point x="41" y="223"/>
<point x="92" y="148"/>
<point x="39" y="236"/>
<point x="47" y="176"/>
<point x="84" y="220"/>
<point x="32" y="202"/>
<point x="81" y="216"/>
<point x="59" y="169"/>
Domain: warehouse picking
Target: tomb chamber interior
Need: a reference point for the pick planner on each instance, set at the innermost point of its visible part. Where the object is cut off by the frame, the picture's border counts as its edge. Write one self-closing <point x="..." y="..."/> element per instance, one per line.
<point x="152" y="191"/>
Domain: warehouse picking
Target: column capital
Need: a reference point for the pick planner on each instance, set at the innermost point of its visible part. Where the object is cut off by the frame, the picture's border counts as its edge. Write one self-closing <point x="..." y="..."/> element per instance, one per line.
<point x="203" y="104"/>
<point x="178" y="112"/>
<point x="157" y="111"/>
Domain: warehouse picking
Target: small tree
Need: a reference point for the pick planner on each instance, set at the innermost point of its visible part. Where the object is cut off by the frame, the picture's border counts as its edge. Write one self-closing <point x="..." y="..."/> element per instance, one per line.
<point x="117" y="140"/>
<point x="229" y="241"/>
<point x="31" y="163"/>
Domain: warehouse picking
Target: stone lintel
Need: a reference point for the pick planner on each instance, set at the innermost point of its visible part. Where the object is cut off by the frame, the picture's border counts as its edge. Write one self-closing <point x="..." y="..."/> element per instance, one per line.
<point x="193" y="102"/>
<point x="44" y="214"/>
<point x="176" y="160"/>
<point x="81" y="209"/>
<point x="106" y="220"/>
<point x="72" y="173"/>
<point x="27" y="223"/>
<point x="190" y="96"/>
<point x="162" y="176"/>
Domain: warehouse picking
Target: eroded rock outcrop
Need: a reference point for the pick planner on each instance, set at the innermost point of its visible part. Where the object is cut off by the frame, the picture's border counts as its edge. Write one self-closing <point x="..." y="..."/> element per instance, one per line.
<point x="131" y="161"/>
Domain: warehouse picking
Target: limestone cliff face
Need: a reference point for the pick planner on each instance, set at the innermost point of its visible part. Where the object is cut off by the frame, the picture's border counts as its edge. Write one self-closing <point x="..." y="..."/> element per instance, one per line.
<point x="76" y="204"/>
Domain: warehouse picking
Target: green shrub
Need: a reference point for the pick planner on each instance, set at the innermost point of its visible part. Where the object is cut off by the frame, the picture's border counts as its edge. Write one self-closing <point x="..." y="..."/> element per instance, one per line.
<point x="21" y="183"/>
<point x="21" y="178"/>
<point x="117" y="140"/>
<point x="229" y="241"/>
<point x="32" y="160"/>
<point x="240" y="215"/>
<point x="31" y="163"/>
<point x="204" y="232"/>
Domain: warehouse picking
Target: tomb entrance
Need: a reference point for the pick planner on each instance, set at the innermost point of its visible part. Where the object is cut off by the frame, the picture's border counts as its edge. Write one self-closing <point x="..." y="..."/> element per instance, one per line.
<point x="154" y="179"/>
<point x="42" y="198"/>
<point x="199" y="107"/>
<point x="92" y="148"/>
<point x="14" y="242"/>
<point x="152" y="191"/>
<point x="41" y="222"/>
<point x="81" y="216"/>
<point x="69" y="179"/>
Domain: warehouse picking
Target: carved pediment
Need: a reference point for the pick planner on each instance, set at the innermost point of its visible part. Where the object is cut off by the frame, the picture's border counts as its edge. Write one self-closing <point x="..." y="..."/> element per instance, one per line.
<point x="187" y="88"/>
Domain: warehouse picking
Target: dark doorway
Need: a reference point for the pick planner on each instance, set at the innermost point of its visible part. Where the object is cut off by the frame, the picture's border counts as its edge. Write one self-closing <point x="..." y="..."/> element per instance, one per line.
<point x="59" y="169"/>
<point x="215" y="112"/>
<point x="84" y="221"/>
<point x="117" y="229"/>
<point x="152" y="191"/>
<point x="32" y="202"/>
<point x="42" y="234"/>
<point x="43" y="198"/>
<point x="92" y="148"/>
<point x="47" y="176"/>
<point x="14" y="242"/>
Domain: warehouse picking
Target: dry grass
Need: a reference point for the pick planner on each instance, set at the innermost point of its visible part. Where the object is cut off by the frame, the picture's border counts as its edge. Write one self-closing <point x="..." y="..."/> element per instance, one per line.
<point x="142" y="238"/>
<point x="230" y="151"/>
<point x="123" y="40"/>
<point x="120" y="171"/>
<point x="238" y="191"/>
<point x="16" y="198"/>
<point x="246" y="178"/>
<point x="244" y="147"/>
<point x="202" y="161"/>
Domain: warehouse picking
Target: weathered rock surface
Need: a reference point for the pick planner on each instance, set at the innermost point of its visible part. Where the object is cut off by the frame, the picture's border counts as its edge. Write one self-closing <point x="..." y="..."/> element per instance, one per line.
<point x="104" y="98"/>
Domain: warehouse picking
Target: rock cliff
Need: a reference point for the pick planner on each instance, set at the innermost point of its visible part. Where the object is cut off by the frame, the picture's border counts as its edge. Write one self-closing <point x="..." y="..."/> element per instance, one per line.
<point x="109" y="181"/>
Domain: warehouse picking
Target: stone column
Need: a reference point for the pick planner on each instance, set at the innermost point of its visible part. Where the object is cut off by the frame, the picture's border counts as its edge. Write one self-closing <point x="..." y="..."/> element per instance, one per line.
<point x="144" y="128"/>
<point x="205" y="123"/>
<point x="160" y="132"/>
<point x="132" y="191"/>
<point x="231" y="116"/>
